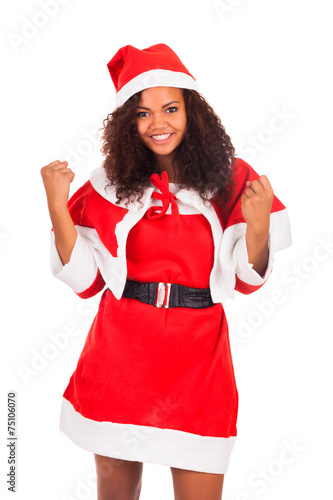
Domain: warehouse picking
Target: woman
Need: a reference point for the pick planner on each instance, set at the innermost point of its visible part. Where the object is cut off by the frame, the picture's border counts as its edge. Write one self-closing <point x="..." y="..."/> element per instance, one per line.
<point x="171" y="225"/>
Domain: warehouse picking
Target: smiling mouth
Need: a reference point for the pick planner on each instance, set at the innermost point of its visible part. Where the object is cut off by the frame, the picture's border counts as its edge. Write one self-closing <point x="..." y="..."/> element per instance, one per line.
<point x="161" y="137"/>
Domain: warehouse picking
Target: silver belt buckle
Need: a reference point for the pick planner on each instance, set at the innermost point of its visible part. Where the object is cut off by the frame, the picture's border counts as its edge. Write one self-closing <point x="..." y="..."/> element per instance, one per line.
<point x="163" y="289"/>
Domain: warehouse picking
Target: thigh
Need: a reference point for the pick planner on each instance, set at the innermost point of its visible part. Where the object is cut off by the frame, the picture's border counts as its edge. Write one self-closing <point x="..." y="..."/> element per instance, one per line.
<point x="118" y="478"/>
<point x="193" y="485"/>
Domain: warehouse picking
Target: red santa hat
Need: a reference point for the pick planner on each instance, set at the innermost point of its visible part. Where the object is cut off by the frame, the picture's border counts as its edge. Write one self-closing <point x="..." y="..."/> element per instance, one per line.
<point x="133" y="70"/>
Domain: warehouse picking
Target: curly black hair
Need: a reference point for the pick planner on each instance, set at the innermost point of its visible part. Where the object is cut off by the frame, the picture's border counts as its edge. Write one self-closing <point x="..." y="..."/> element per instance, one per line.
<point x="203" y="161"/>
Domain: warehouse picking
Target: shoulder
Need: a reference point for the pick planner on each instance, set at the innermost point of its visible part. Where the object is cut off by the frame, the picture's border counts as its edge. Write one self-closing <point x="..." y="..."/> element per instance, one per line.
<point x="243" y="172"/>
<point x="96" y="191"/>
<point x="91" y="201"/>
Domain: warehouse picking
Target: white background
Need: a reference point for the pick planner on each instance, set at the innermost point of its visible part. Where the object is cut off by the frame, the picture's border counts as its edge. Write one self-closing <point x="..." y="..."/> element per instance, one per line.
<point x="253" y="60"/>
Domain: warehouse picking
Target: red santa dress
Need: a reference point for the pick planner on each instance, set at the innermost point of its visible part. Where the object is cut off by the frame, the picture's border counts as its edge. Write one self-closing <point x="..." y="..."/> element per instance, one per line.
<point x="157" y="384"/>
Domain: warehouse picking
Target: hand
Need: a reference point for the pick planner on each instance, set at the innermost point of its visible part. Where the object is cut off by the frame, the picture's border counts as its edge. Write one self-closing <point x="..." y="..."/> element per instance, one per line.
<point x="256" y="204"/>
<point x="57" y="178"/>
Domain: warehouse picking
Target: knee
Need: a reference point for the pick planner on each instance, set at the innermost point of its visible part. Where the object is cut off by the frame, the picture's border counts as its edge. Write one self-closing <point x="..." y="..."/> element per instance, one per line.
<point x="118" y="479"/>
<point x="119" y="493"/>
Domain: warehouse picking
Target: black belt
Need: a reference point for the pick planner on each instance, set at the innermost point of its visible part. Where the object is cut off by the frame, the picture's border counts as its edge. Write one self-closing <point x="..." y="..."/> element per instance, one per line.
<point x="168" y="295"/>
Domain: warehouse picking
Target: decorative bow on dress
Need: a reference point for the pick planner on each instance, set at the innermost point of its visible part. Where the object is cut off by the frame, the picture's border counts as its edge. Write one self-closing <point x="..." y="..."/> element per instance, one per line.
<point x="165" y="196"/>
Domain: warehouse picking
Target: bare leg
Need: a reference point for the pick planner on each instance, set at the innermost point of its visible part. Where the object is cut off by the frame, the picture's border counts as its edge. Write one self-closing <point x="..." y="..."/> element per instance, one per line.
<point x="118" y="479"/>
<point x="193" y="485"/>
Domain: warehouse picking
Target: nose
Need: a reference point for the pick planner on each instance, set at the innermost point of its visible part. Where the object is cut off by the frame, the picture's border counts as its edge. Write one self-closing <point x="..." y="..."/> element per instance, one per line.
<point x="158" y="121"/>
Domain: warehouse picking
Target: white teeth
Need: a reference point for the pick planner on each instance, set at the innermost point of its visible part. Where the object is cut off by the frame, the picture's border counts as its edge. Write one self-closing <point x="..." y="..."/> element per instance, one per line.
<point x="161" y="137"/>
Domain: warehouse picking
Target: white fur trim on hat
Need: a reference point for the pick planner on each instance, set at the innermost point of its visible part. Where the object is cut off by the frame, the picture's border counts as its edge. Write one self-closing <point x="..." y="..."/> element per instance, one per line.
<point x="155" y="78"/>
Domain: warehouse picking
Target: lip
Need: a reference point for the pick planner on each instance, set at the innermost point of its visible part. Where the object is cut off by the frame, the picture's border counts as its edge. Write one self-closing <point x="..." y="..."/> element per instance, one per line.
<point x="164" y="141"/>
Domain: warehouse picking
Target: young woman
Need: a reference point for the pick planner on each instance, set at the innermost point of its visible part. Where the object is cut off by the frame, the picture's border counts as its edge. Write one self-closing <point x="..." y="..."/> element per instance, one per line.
<point x="169" y="227"/>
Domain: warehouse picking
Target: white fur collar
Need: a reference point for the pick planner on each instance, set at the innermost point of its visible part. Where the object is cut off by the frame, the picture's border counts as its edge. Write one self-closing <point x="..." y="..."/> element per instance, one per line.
<point x="99" y="181"/>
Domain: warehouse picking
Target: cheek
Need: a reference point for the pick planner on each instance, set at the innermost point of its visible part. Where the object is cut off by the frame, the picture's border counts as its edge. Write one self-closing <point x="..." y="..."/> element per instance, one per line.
<point x="182" y="128"/>
<point x="181" y="122"/>
<point x="140" y="128"/>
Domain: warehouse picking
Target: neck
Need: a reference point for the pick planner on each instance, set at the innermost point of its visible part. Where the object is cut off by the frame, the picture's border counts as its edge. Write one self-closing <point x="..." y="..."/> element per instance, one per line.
<point x="164" y="162"/>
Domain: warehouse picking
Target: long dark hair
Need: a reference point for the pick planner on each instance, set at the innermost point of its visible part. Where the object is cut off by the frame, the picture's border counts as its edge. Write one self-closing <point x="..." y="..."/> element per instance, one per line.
<point x="203" y="161"/>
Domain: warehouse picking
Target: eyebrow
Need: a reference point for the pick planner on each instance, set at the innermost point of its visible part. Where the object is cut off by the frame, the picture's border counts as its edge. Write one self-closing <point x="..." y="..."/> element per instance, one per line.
<point x="165" y="105"/>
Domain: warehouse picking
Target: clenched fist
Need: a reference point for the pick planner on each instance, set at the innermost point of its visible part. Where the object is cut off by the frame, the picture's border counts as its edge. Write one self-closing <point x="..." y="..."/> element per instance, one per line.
<point x="256" y="204"/>
<point x="57" y="178"/>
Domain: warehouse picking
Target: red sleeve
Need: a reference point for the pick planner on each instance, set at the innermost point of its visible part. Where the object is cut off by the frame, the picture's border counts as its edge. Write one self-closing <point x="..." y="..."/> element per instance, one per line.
<point x="234" y="228"/>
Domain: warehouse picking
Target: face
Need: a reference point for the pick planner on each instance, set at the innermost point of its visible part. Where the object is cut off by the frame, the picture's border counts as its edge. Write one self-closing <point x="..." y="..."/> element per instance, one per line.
<point x="161" y="119"/>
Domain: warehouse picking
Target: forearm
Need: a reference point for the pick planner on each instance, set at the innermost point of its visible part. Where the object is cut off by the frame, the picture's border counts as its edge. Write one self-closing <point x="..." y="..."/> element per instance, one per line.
<point x="64" y="231"/>
<point x="257" y="250"/>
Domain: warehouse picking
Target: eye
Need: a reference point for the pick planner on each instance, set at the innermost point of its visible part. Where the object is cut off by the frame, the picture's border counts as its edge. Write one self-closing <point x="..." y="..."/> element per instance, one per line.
<point x="141" y="114"/>
<point x="172" y="109"/>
